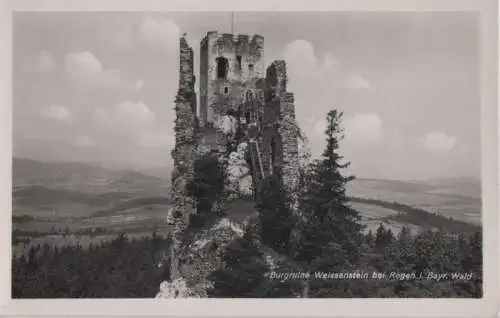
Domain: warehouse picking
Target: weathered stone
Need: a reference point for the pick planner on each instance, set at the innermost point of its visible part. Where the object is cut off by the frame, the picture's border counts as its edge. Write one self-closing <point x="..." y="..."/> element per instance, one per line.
<point x="246" y="115"/>
<point x="175" y="289"/>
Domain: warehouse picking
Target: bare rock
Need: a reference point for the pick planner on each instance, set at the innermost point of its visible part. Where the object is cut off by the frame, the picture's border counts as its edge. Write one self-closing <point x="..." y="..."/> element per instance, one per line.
<point x="175" y="289"/>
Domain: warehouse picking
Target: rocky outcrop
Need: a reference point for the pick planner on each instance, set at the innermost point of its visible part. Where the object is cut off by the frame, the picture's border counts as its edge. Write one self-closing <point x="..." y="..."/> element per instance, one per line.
<point x="239" y="175"/>
<point x="175" y="289"/>
<point x="201" y="255"/>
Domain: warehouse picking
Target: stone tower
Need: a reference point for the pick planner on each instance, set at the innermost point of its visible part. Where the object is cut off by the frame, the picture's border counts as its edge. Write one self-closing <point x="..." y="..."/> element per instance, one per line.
<point x="241" y="103"/>
<point x="239" y="96"/>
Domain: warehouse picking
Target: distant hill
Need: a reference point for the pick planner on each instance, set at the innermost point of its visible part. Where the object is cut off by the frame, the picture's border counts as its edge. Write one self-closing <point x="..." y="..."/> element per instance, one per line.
<point x="458" y="198"/>
<point x="86" y="178"/>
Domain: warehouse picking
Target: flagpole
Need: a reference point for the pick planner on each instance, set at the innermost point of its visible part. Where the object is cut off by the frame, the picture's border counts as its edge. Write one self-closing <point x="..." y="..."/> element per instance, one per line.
<point x="232" y="22"/>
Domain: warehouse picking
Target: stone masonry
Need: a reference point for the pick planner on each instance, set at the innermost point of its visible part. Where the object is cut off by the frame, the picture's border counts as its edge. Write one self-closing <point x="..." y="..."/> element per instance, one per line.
<point x="241" y="102"/>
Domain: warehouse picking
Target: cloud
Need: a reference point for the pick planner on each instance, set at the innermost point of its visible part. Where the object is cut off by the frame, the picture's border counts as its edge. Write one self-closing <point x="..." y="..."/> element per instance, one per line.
<point x="305" y="66"/>
<point x="152" y="32"/>
<point x="139" y="84"/>
<point x="125" y="117"/>
<point x="159" y="32"/>
<point x="364" y="129"/>
<point x="357" y="82"/>
<point x="301" y="58"/>
<point x="56" y="112"/>
<point x="85" y="69"/>
<point x="319" y="127"/>
<point x="438" y="142"/>
<point x="84" y="140"/>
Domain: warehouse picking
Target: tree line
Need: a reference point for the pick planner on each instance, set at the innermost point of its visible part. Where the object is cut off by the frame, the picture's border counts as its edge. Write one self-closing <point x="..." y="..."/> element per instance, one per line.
<point x="121" y="268"/>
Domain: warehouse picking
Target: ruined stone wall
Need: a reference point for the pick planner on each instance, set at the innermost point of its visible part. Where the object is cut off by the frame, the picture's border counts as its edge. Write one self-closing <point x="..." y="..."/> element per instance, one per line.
<point x="245" y="57"/>
<point x="276" y="77"/>
<point x="272" y="124"/>
<point x="288" y="131"/>
<point x="183" y="153"/>
<point x="203" y="81"/>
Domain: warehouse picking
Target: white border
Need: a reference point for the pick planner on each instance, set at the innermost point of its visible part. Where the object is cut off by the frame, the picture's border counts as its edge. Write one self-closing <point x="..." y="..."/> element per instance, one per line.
<point x="486" y="307"/>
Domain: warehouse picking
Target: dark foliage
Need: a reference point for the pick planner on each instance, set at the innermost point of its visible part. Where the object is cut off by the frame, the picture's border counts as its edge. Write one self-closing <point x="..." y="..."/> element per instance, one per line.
<point x="328" y="219"/>
<point x="206" y="187"/>
<point x="122" y="268"/>
<point x="276" y="218"/>
<point x="243" y="271"/>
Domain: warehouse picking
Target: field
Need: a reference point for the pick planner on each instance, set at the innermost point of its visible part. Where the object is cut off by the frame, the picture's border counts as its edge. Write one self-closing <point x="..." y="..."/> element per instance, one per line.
<point x="459" y="199"/>
<point x="64" y="204"/>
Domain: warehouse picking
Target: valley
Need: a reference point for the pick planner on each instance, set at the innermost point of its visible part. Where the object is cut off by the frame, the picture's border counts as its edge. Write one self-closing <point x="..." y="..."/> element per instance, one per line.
<point x="79" y="203"/>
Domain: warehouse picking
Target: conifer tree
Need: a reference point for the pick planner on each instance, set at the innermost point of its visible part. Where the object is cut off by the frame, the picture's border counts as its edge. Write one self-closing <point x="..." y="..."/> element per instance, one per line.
<point x="329" y="227"/>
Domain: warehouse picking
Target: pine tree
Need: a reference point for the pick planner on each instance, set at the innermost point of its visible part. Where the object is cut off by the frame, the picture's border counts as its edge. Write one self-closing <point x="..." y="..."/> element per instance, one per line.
<point x="329" y="228"/>
<point x="369" y="238"/>
<point x="381" y="238"/>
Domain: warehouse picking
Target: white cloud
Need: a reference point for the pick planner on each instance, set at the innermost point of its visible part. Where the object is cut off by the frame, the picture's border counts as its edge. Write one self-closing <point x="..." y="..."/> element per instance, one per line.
<point x="159" y="32"/>
<point x="364" y="129"/>
<point x="125" y="117"/>
<point x="85" y="69"/>
<point x="357" y="82"/>
<point x="438" y="142"/>
<point x="84" y="140"/>
<point x="301" y="59"/>
<point x="139" y="84"/>
<point x="303" y="65"/>
<point x="56" y="112"/>
<point x="319" y="127"/>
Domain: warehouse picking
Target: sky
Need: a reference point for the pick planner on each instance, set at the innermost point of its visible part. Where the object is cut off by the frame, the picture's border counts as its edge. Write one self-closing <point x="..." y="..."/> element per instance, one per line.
<point x="100" y="87"/>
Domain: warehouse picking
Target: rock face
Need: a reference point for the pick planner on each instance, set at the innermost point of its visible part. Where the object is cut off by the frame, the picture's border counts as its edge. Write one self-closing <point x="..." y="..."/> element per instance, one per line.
<point x="175" y="289"/>
<point x="201" y="255"/>
<point x="239" y="174"/>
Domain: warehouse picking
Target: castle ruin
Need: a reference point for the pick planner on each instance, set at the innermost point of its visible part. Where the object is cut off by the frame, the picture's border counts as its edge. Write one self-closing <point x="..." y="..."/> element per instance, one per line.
<point x="241" y="102"/>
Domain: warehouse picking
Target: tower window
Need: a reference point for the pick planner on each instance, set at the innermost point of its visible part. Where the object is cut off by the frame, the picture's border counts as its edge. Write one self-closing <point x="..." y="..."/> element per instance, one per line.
<point x="238" y="58"/>
<point x="250" y="70"/>
<point x="222" y="67"/>
<point x="226" y="90"/>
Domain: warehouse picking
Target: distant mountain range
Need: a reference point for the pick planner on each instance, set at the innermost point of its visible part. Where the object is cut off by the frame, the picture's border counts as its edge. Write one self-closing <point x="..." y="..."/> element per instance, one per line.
<point x="86" y="178"/>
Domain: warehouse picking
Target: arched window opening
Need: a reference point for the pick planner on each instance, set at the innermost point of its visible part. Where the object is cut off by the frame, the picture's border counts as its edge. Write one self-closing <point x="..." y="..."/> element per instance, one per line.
<point x="247" y="116"/>
<point x="226" y="90"/>
<point x="251" y="70"/>
<point x="222" y="67"/>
